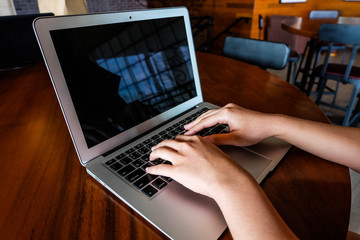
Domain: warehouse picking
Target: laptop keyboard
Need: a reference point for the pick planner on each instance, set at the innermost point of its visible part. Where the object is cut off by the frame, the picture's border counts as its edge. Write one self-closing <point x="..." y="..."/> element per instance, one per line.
<point x="131" y="164"/>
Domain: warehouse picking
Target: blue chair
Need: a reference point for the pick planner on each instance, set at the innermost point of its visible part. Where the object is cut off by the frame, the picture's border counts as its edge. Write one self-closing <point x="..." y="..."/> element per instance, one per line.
<point x="264" y="54"/>
<point x="321" y="14"/>
<point x="344" y="73"/>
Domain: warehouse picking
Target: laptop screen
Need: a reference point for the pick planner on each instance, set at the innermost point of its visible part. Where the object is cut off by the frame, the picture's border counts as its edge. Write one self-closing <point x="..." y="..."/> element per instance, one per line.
<point x="122" y="74"/>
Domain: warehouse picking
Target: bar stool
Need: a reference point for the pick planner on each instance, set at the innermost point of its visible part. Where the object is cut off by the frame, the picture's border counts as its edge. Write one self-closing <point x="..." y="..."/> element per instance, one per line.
<point x="321" y="46"/>
<point x="342" y="73"/>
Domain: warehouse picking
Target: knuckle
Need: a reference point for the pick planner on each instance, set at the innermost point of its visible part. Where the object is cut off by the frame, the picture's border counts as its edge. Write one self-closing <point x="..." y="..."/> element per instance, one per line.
<point x="230" y="105"/>
<point x="198" y="138"/>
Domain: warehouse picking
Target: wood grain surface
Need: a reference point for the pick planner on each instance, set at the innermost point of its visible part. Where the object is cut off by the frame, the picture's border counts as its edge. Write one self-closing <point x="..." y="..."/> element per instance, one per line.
<point x="47" y="194"/>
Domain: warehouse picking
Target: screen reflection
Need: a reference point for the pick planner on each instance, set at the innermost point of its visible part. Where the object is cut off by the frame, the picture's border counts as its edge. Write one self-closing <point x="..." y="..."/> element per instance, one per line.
<point x="120" y="75"/>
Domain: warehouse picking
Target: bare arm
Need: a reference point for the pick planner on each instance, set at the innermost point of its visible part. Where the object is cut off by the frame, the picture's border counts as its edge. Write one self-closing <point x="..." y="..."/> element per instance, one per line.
<point x="247" y="210"/>
<point x="197" y="162"/>
<point x="334" y="143"/>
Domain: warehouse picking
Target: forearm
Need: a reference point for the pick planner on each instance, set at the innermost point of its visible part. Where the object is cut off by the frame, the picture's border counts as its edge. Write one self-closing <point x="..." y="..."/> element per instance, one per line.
<point x="248" y="212"/>
<point x="334" y="143"/>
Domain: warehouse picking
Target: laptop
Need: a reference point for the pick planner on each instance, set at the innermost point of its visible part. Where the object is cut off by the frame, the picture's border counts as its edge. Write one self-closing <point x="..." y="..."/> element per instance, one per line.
<point x="126" y="81"/>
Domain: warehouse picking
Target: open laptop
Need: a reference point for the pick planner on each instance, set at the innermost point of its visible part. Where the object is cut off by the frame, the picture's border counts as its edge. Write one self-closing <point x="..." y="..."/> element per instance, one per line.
<point x="125" y="81"/>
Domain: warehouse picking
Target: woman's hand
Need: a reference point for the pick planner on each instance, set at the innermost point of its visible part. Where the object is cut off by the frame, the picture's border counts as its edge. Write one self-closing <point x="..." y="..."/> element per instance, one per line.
<point x="202" y="167"/>
<point x="247" y="127"/>
<point x="197" y="164"/>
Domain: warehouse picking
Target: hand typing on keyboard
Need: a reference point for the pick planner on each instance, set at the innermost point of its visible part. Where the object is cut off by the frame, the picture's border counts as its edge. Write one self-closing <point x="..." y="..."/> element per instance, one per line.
<point x="198" y="164"/>
<point x="189" y="153"/>
<point x="201" y="153"/>
<point x="243" y="123"/>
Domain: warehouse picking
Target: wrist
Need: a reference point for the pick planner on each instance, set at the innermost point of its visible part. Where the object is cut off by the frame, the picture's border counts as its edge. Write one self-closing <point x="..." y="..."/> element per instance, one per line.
<point x="236" y="181"/>
<point x="277" y="125"/>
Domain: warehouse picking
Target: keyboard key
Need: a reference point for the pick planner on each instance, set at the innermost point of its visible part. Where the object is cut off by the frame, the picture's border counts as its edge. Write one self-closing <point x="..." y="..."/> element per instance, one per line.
<point x="110" y="162"/>
<point x="145" y="157"/>
<point x="159" y="183"/>
<point x="203" y="132"/>
<point x="116" y="166"/>
<point x="142" y="182"/>
<point x="147" y="141"/>
<point x="180" y="129"/>
<point x="126" y="160"/>
<point x="139" y="146"/>
<point x="149" y="191"/>
<point x="131" y="150"/>
<point x="135" y="155"/>
<point x="158" y="140"/>
<point x="138" y="163"/>
<point x="155" y="137"/>
<point x="135" y="175"/>
<point x="168" y="179"/>
<point x="173" y="133"/>
<point x="126" y="170"/>
<point x="194" y="116"/>
<point x="120" y="156"/>
<point x="167" y="136"/>
<point x="157" y="161"/>
<point x="148" y="164"/>
<point x="150" y="145"/>
<point x="143" y="150"/>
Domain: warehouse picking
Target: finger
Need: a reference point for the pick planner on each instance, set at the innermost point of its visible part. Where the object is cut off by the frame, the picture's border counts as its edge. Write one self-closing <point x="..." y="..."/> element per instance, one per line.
<point x="166" y="143"/>
<point x="206" y="122"/>
<point x="223" y="139"/>
<point x="202" y="116"/>
<point x="183" y="138"/>
<point x="161" y="169"/>
<point x="165" y="153"/>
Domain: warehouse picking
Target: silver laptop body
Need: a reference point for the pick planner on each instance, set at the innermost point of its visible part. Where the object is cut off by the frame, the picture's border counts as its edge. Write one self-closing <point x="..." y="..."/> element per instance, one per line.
<point x="125" y="80"/>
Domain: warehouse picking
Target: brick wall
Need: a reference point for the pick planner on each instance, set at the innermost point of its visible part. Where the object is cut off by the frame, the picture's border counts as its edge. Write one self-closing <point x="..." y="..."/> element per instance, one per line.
<point x="114" y="5"/>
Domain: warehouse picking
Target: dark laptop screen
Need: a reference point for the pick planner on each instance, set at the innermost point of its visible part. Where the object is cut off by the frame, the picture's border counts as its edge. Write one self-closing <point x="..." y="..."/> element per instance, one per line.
<point x="122" y="74"/>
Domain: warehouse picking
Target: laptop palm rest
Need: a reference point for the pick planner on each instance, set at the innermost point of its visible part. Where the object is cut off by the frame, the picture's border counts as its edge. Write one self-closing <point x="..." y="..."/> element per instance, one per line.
<point x="260" y="158"/>
<point x="253" y="162"/>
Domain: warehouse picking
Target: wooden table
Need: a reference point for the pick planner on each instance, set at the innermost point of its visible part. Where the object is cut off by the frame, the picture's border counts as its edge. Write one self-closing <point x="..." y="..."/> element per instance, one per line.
<point x="46" y="193"/>
<point x="309" y="28"/>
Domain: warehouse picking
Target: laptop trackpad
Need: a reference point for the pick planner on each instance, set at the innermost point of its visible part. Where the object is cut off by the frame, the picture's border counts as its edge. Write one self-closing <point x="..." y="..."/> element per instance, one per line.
<point x="253" y="162"/>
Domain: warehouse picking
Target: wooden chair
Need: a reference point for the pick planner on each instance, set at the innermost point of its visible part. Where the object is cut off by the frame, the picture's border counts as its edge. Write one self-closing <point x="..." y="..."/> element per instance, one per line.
<point x="264" y="54"/>
<point x="344" y="73"/>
